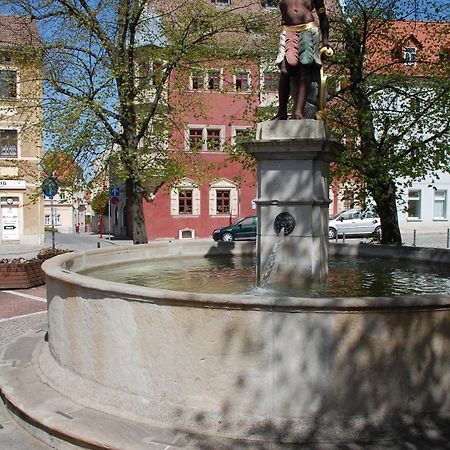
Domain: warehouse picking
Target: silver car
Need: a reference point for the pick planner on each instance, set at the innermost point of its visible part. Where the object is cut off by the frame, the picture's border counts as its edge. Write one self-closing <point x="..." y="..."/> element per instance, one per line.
<point x="354" y="222"/>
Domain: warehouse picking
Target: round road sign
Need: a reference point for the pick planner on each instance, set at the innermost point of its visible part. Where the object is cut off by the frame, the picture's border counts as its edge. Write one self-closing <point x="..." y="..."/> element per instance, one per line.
<point x="49" y="187"/>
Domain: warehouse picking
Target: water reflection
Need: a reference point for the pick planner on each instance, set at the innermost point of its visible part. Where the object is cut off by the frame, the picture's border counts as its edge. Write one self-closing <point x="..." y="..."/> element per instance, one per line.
<point x="348" y="277"/>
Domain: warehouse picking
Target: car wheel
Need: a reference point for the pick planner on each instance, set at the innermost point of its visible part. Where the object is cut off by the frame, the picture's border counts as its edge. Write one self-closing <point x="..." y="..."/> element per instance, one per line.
<point x="378" y="231"/>
<point x="227" y="237"/>
<point x="331" y="233"/>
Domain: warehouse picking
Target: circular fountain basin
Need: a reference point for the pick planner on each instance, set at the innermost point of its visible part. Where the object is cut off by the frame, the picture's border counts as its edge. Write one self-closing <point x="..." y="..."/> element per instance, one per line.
<point x="275" y="369"/>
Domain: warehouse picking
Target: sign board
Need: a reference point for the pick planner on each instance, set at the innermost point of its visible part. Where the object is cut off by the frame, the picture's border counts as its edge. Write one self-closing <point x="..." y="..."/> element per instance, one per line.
<point x="10" y="224"/>
<point x="115" y="200"/>
<point x="13" y="184"/>
<point x="49" y="187"/>
<point x="114" y="192"/>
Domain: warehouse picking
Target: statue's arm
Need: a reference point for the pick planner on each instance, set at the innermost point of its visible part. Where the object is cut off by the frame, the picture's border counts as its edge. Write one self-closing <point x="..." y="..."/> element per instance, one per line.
<point x="323" y="21"/>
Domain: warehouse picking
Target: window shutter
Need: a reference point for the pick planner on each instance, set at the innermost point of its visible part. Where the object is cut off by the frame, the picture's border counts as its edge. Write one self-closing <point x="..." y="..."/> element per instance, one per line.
<point x="196" y="202"/>
<point x="212" y="202"/>
<point x="234" y="201"/>
<point x="174" y="202"/>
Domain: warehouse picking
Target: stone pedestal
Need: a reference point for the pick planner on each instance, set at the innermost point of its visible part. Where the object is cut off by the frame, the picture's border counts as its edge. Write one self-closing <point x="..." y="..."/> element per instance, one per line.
<point x="293" y="158"/>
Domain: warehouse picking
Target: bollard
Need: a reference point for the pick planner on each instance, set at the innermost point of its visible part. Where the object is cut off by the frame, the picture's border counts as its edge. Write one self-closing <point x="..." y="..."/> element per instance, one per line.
<point x="343" y="238"/>
<point x="98" y="244"/>
<point x="414" y="238"/>
<point x="336" y="237"/>
<point x="448" y="237"/>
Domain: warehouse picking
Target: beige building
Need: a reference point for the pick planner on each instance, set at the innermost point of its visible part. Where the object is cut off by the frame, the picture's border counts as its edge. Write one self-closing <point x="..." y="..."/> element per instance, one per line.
<point x="22" y="206"/>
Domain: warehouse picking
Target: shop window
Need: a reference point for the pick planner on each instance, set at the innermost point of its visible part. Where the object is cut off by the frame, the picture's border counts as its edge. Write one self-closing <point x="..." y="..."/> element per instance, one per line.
<point x="8" y="143"/>
<point x="414" y="204"/>
<point x="8" y="83"/>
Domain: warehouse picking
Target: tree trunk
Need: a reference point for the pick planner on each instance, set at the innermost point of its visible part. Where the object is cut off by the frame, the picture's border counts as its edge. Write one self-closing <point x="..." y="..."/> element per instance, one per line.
<point x="385" y="199"/>
<point x="135" y="197"/>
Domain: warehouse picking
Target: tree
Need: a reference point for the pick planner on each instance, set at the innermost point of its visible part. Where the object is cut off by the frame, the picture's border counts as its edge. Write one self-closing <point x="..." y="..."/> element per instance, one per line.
<point x="390" y="107"/>
<point x="107" y="66"/>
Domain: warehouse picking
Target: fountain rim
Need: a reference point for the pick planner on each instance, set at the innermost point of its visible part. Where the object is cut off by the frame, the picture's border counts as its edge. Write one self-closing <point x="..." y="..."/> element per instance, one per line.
<point x="59" y="268"/>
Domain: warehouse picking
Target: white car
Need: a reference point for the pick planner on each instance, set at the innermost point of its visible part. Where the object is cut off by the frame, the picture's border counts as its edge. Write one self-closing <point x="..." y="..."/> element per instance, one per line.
<point x="354" y="222"/>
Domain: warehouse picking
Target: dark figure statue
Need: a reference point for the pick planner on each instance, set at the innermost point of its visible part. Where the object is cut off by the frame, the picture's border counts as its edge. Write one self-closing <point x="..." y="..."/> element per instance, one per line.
<point x="299" y="58"/>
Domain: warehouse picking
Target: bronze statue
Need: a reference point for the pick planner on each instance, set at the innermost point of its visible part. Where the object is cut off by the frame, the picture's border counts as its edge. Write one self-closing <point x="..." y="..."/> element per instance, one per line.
<point x="299" y="58"/>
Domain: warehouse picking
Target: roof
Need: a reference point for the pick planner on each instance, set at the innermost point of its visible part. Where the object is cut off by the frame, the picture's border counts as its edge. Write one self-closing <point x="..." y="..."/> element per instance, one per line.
<point x="431" y="39"/>
<point x="18" y="31"/>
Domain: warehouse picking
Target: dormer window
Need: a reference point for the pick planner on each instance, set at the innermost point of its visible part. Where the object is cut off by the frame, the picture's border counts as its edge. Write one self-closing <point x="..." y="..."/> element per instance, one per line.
<point x="410" y="55"/>
<point x="221" y="2"/>
<point x="269" y="4"/>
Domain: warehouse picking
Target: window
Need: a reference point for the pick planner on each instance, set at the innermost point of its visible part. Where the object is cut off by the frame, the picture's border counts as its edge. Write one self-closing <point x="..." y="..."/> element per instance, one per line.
<point x="223" y="201"/>
<point x="8" y="143"/>
<point x="213" y="139"/>
<point x="185" y="201"/>
<point x="195" y="138"/>
<point x="48" y="219"/>
<point x="204" y="138"/>
<point x="8" y="83"/>
<point x="239" y="135"/>
<point x="440" y="205"/>
<point x="241" y="81"/>
<point x="223" y="198"/>
<point x="214" y="80"/>
<point x="410" y="55"/>
<point x="198" y="80"/>
<point x="414" y="204"/>
<point x="269" y="4"/>
<point x="271" y="81"/>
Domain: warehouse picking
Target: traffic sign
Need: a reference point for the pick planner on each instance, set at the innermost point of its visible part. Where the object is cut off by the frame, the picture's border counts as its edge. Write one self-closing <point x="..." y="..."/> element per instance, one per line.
<point x="49" y="187"/>
<point x="115" y="200"/>
<point x="114" y="192"/>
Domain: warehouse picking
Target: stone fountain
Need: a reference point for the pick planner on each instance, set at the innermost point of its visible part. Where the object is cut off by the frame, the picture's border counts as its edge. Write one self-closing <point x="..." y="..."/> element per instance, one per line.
<point x="293" y="158"/>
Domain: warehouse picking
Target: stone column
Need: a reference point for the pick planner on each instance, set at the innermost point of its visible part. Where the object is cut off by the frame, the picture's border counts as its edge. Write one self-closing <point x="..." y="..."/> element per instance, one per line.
<point x="293" y="159"/>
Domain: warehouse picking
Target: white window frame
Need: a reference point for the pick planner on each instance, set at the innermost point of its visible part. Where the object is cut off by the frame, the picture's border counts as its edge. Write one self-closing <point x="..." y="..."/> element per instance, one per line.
<point x="441" y="196"/>
<point x="249" y="80"/>
<point x="206" y="83"/>
<point x="223" y="3"/>
<point x="407" y="59"/>
<point x="204" y="129"/>
<point x="184" y="184"/>
<point x="235" y="128"/>
<point x="19" y="146"/>
<point x="416" y="196"/>
<point x="266" y="6"/>
<point x="223" y="185"/>
<point x="12" y="68"/>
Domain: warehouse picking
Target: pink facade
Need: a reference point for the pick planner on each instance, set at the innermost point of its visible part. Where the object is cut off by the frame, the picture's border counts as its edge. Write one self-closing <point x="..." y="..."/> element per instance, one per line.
<point x="213" y="112"/>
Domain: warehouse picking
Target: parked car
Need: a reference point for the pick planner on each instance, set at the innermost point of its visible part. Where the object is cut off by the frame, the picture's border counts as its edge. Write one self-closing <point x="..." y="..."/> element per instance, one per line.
<point x="354" y="222"/>
<point x="244" y="229"/>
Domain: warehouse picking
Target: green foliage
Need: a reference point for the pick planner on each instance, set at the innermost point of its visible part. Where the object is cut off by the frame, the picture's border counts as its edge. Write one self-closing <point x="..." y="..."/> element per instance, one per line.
<point x="392" y="117"/>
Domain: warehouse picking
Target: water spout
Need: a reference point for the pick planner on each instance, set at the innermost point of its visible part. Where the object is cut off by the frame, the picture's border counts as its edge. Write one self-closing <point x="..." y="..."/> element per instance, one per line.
<point x="271" y="265"/>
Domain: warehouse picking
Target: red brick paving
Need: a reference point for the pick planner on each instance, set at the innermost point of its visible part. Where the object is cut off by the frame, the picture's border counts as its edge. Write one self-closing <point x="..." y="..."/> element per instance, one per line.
<point x="12" y="305"/>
